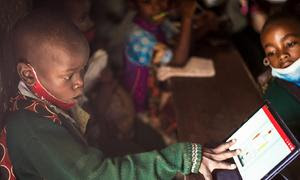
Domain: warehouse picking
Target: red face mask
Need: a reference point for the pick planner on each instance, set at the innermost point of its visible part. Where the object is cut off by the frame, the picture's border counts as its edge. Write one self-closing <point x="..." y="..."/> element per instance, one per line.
<point x="39" y="90"/>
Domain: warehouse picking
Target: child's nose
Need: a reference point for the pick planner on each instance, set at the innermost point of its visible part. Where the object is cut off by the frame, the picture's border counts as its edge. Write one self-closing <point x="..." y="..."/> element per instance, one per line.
<point x="283" y="57"/>
<point x="90" y="23"/>
<point x="78" y="83"/>
<point x="158" y="7"/>
<point x="163" y="5"/>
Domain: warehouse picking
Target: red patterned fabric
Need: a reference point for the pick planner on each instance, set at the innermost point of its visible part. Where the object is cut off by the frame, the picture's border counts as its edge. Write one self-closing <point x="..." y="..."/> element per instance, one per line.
<point x="17" y="103"/>
<point x="6" y="169"/>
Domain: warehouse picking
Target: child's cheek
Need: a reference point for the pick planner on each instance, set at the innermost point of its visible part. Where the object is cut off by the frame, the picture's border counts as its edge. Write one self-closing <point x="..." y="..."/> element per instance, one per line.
<point x="275" y="63"/>
<point x="295" y="53"/>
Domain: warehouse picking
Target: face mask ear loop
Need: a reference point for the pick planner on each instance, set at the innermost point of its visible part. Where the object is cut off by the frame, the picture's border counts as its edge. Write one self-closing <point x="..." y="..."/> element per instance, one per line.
<point x="266" y="62"/>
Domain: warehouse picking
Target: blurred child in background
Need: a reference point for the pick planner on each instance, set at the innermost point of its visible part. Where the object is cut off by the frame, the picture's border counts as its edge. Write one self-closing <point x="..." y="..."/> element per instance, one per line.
<point x="147" y="45"/>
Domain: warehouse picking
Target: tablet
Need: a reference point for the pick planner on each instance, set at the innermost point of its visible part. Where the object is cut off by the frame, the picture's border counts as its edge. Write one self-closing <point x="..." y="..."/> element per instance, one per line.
<point x="266" y="143"/>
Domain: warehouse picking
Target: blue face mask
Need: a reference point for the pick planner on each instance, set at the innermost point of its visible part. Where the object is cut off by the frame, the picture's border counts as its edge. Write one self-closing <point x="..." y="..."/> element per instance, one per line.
<point x="290" y="74"/>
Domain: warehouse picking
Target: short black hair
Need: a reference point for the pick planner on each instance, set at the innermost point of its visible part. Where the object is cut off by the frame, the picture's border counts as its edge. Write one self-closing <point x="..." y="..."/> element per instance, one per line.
<point x="280" y="17"/>
<point x="43" y="25"/>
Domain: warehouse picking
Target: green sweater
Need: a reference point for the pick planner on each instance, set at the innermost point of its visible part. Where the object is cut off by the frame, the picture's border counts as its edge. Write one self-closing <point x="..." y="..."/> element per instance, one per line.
<point x="42" y="149"/>
<point x="285" y="103"/>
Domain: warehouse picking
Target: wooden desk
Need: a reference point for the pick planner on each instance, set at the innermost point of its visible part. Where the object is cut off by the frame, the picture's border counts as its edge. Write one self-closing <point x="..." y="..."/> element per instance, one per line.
<point x="208" y="109"/>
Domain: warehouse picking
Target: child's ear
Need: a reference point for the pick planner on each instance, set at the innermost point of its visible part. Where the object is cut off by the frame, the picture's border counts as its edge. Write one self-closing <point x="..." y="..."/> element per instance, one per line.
<point x="26" y="74"/>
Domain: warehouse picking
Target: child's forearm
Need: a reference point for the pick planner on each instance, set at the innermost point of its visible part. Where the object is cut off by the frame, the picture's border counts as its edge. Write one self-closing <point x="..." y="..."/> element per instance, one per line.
<point x="182" y="49"/>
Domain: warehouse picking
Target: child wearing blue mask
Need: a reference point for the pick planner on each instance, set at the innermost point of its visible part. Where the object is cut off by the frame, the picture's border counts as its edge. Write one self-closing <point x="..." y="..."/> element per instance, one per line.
<point x="280" y="39"/>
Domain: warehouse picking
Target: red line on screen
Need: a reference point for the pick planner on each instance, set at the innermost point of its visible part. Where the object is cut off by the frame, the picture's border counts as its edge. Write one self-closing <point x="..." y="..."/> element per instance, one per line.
<point x="285" y="138"/>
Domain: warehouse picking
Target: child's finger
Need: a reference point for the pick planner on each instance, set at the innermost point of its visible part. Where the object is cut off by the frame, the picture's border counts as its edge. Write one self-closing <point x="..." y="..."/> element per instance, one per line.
<point x="163" y="73"/>
<point x="223" y="147"/>
<point x="163" y="76"/>
<point x="222" y="156"/>
<point x="205" y="172"/>
<point x="160" y="46"/>
<point x="224" y="165"/>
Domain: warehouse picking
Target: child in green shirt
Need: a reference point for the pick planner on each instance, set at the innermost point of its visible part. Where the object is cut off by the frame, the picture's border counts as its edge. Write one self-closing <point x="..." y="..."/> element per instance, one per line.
<point x="41" y="140"/>
<point x="280" y="38"/>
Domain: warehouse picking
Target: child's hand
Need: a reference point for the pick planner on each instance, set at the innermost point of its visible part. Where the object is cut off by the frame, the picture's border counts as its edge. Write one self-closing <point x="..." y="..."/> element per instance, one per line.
<point x="188" y="8"/>
<point x="159" y="52"/>
<point x="165" y="72"/>
<point x="212" y="159"/>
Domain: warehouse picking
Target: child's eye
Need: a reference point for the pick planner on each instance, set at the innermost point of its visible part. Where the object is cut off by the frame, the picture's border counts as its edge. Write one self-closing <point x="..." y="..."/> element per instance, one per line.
<point x="291" y="44"/>
<point x="68" y="77"/>
<point x="83" y="17"/>
<point x="269" y="54"/>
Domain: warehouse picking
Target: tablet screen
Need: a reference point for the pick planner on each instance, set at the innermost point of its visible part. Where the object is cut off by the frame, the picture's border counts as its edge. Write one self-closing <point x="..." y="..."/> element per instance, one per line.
<point x="264" y="145"/>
